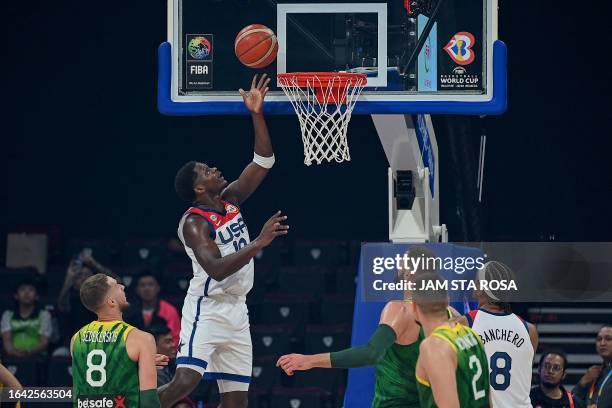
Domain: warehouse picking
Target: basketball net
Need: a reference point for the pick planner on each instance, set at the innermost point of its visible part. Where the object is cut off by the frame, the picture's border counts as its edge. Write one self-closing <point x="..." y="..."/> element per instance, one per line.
<point x="323" y="102"/>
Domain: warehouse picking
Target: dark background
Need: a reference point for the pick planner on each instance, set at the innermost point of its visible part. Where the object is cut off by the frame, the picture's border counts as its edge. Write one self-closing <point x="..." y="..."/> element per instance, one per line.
<point x="84" y="148"/>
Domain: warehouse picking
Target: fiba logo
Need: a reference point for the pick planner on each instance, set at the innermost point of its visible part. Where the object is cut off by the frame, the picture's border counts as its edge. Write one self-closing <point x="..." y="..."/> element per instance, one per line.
<point x="231" y="209"/>
<point x="459" y="71"/>
<point x="459" y="48"/>
<point x="199" y="48"/>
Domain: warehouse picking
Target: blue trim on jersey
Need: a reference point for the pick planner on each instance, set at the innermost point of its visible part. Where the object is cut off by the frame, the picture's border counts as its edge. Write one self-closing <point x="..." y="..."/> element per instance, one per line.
<point x="212" y="229"/>
<point x="206" y="286"/>
<point x="224" y="213"/>
<point x="191" y="361"/>
<point x="469" y="319"/>
<point x="495" y="313"/>
<point x="228" y="376"/>
<point x="195" y="326"/>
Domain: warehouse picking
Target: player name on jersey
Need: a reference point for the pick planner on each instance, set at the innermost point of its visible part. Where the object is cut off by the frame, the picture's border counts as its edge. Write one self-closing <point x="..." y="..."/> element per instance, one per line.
<point x="102" y="336"/>
<point x="499" y="334"/>
<point x="467" y="341"/>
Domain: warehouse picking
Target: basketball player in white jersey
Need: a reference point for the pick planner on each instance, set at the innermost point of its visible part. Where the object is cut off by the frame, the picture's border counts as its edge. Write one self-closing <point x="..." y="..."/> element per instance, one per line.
<point x="215" y="341"/>
<point x="509" y="341"/>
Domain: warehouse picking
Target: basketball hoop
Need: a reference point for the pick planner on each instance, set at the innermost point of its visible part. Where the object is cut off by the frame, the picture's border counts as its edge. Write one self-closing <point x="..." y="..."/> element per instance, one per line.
<point x="323" y="102"/>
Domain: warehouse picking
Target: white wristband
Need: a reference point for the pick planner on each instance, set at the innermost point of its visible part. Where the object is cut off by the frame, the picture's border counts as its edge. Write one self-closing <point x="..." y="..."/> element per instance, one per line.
<point x="265" y="162"/>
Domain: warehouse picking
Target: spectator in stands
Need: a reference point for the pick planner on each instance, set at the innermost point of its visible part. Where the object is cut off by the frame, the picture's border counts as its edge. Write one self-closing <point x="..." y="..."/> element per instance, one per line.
<point x="595" y="387"/>
<point x="73" y="315"/>
<point x="549" y="393"/>
<point x="26" y="329"/>
<point x="149" y="309"/>
<point x="165" y="346"/>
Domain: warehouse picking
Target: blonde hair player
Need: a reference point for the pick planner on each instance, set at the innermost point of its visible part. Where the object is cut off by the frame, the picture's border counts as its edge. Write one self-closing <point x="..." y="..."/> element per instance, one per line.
<point x="112" y="361"/>
<point x="452" y="368"/>
<point x="393" y="348"/>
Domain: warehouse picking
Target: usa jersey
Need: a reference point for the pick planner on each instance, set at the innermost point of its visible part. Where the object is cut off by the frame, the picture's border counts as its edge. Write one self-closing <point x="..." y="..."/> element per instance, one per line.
<point x="510" y="355"/>
<point x="230" y="233"/>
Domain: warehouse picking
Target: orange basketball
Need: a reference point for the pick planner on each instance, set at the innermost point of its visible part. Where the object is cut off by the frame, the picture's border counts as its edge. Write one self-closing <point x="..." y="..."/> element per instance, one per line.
<point x="256" y="46"/>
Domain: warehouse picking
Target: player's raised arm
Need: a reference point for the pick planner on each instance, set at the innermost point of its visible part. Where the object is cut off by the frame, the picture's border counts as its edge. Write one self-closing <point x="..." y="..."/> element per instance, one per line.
<point x="263" y="158"/>
<point x="437" y="365"/>
<point x="197" y="237"/>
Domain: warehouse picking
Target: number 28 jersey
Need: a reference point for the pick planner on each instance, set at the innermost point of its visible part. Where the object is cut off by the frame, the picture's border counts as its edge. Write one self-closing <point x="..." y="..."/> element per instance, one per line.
<point x="102" y="371"/>
<point x="510" y="354"/>
<point x="230" y="233"/>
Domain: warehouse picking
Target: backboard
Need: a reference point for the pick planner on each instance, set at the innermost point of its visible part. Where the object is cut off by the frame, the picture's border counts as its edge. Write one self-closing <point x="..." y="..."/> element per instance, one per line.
<point x="458" y="66"/>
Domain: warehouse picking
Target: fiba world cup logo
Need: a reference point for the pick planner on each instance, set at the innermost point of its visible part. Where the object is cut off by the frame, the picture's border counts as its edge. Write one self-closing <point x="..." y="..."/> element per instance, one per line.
<point x="199" y="48"/>
<point x="459" y="48"/>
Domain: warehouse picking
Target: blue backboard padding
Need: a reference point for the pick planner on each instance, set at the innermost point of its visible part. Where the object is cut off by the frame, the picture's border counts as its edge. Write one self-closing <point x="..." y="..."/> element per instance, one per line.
<point x="497" y="105"/>
<point x="366" y="315"/>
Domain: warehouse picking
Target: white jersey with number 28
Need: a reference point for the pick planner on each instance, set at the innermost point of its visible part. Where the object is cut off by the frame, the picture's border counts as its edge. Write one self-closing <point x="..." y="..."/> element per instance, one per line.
<point x="510" y="354"/>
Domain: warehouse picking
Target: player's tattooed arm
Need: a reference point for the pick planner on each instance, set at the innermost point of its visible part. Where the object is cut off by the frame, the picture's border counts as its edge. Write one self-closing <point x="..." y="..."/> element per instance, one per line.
<point x="197" y="237"/>
<point x="437" y="364"/>
<point x="253" y="174"/>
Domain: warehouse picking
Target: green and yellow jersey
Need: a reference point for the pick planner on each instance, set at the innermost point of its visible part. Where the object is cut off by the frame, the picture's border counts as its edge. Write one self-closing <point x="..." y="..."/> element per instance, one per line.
<point x="472" y="371"/>
<point x="396" y="384"/>
<point x="101" y="367"/>
<point x="395" y="377"/>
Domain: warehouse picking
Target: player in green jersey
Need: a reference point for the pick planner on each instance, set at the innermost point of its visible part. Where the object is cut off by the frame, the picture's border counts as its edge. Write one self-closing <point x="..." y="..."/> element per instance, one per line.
<point x="393" y="349"/>
<point x="452" y="369"/>
<point x="113" y="363"/>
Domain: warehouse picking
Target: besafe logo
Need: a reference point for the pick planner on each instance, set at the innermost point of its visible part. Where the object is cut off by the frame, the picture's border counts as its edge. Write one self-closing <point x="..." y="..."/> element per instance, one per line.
<point x="233" y="230"/>
<point x="101" y="401"/>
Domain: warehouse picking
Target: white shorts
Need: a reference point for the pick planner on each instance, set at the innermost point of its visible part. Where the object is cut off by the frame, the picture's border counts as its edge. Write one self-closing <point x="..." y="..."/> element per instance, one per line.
<point x="216" y="341"/>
